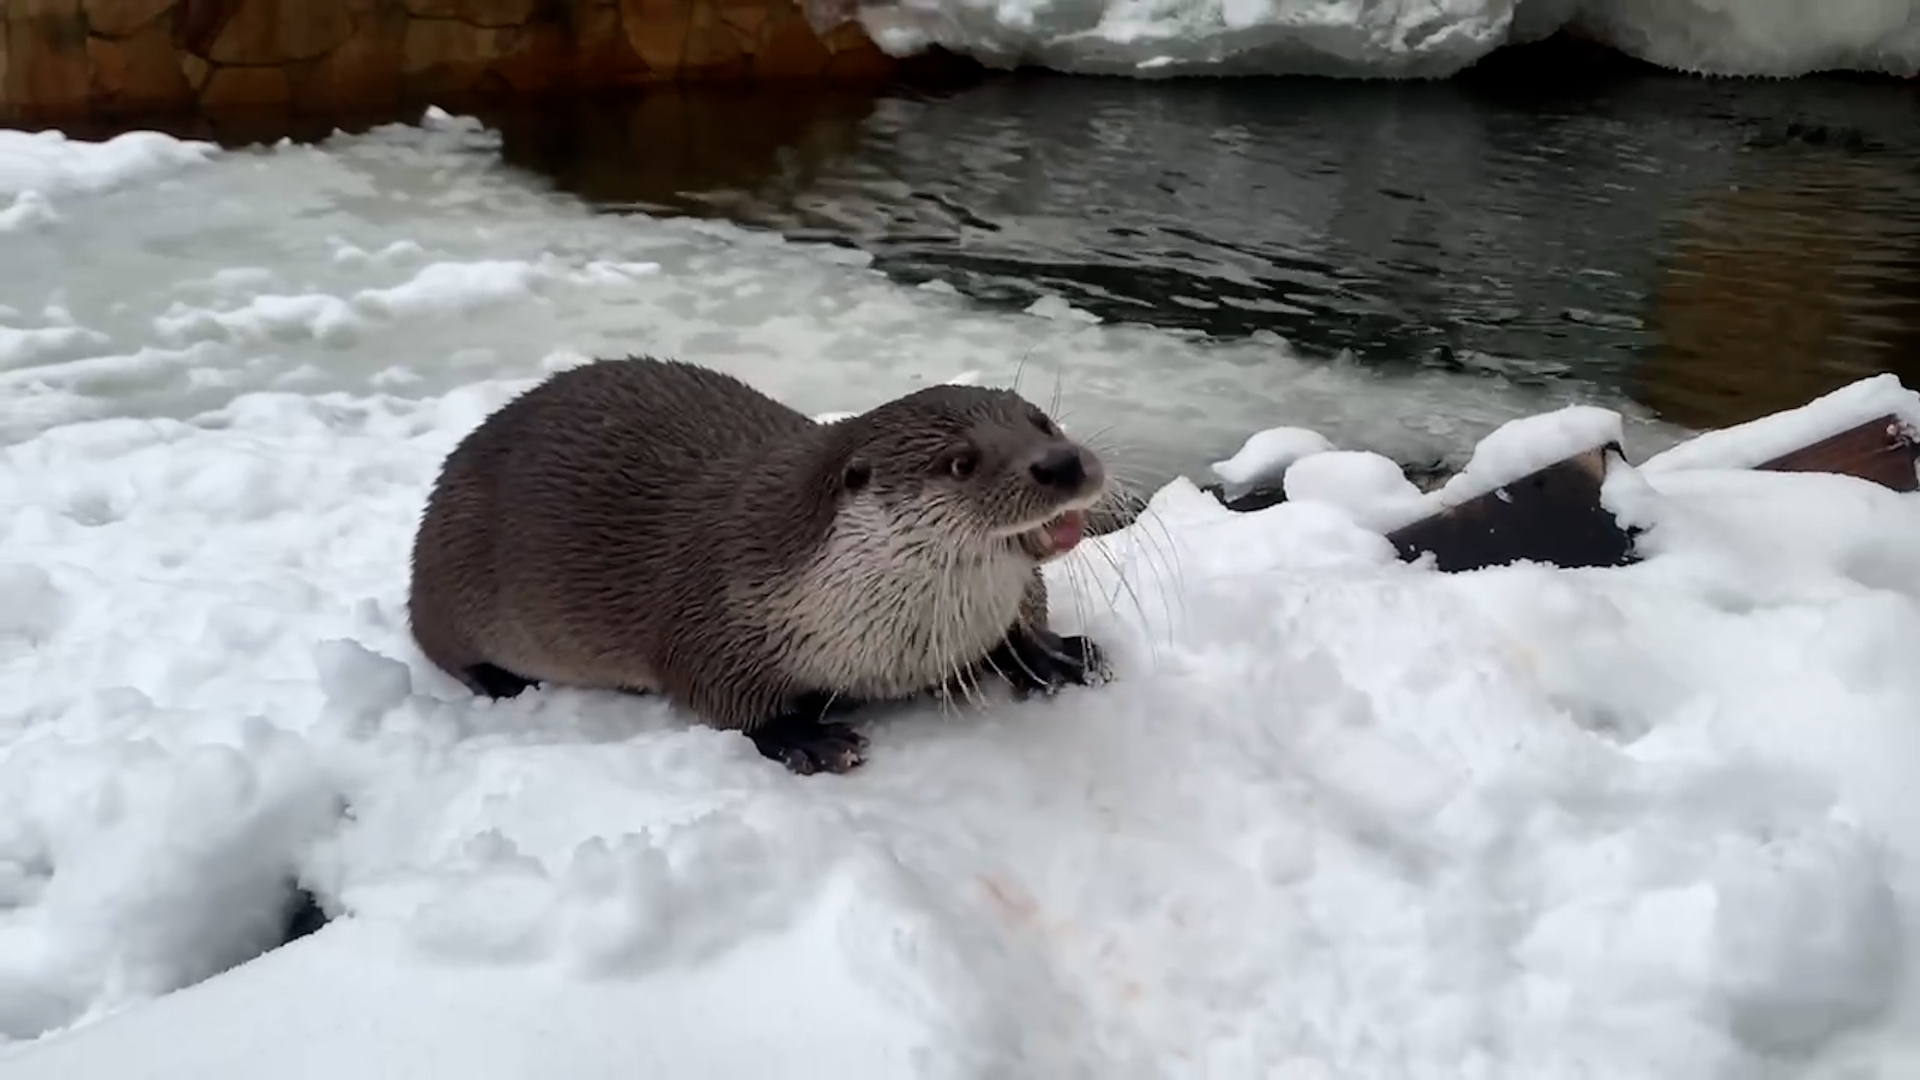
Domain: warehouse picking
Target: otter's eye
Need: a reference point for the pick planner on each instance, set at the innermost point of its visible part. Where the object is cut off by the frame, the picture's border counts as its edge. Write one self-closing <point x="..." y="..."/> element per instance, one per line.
<point x="856" y="476"/>
<point x="962" y="464"/>
<point x="1040" y="421"/>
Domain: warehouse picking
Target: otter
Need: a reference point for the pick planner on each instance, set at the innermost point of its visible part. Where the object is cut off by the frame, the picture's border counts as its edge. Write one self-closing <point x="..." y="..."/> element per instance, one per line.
<point x="654" y="526"/>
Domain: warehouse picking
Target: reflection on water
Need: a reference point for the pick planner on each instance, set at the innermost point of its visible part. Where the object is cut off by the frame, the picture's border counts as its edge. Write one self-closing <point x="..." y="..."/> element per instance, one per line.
<point x="1715" y="249"/>
<point x="1785" y="284"/>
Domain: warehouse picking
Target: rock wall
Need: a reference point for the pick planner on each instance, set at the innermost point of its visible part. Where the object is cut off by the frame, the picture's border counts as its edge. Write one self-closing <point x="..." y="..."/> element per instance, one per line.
<point x="98" y="57"/>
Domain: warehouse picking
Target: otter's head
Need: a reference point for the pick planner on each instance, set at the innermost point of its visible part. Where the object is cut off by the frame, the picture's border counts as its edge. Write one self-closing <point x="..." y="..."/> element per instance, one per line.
<point x="975" y="465"/>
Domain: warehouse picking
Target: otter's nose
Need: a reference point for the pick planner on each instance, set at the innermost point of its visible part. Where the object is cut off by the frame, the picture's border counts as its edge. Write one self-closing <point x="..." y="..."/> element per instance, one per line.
<point x="1061" y="468"/>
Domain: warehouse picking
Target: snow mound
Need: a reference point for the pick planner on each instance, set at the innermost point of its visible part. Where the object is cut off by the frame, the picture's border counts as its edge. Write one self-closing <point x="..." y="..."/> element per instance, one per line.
<point x="37" y="167"/>
<point x="1264" y="458"/>
<point x="1651" y="821"/>
<point x="1369" y="487"/>
<point x="1395" y="38"/>
<point x="1527" y="445"/>
<point x="1761" y="37"/>
<point x="50" y="161"/>
<point x="1749" y="445"/>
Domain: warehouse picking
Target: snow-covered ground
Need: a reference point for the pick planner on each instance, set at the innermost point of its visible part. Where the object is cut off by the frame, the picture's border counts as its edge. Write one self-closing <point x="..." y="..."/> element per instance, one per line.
<point x="1393" y="38"/>
<point x="1338" y="816"/>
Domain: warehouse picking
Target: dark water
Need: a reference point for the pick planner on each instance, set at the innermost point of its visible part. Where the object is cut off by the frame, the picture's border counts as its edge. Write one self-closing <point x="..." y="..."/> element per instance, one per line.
<point x="1716" y="250"/>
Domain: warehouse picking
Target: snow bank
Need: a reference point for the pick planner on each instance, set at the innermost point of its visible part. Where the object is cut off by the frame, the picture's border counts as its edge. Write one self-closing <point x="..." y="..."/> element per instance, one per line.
<point x="1396" y="38"/>
<point x="1370" y="488"/>
<point x="1761" y="37"/>
<point x="1748" y="445"/>
<point x="51" y="161"/>
<point x="37" y="167"/>
<point x="1645" y="822"/>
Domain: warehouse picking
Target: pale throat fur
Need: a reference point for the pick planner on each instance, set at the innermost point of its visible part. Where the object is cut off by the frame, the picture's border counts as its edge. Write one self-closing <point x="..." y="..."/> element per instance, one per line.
<point x="901" y="595"/>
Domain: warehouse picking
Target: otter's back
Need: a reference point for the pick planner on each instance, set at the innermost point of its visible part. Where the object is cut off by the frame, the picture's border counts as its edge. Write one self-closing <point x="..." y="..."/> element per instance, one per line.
<point x="609" y="477"/>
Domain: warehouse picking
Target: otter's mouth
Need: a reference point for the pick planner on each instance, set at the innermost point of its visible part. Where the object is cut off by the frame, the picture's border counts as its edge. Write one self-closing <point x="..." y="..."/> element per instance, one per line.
<point x="1056" y="536"/>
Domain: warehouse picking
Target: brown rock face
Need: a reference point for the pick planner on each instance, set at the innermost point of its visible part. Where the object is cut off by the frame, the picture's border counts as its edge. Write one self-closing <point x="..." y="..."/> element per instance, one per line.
<point x="274" y="32"/>
<point x="494" y="13"/>
<point x="855" y="56"/>
<point x="714" y="49"/>
<point x="364" y="71"/>
<point x="789" y="48"/>
<point x="246" y="87"/>
<point x="445" y="56"/>
<point x="31" y="10"/>
<point x="588" y="48"/>
<point x="657" y="30"/>
<point x="76" y="56"/>
<point x="195" y="70"/>
<point x="120" y="18"/>
<point x="138" y="72"/>
<point x="47" y="49"/>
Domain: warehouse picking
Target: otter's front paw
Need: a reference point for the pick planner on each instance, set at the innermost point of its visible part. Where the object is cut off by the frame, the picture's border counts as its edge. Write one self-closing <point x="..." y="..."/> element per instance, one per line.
<point x="806" y="745"/>
<point x="1040" y="660"/>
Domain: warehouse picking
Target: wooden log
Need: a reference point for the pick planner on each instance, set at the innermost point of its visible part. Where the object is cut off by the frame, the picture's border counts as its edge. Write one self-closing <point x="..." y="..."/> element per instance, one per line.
<point x="1553" y="516"/>
<point x="1883" y="450"/>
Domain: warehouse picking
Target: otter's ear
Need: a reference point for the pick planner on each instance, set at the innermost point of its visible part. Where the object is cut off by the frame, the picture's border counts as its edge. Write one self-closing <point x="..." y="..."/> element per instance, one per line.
<point x="855" y="475"/>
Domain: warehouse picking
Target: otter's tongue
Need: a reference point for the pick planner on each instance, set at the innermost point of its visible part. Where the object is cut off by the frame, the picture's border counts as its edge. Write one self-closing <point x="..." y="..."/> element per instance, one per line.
<point x="1065" y="531"/>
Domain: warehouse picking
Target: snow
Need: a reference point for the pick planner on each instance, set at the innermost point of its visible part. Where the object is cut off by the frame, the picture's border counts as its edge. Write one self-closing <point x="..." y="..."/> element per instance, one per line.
<point x="1337" y="815"/>
<point x="442" y="288"/>
<point x="1263" y="459"/>
<point x="1653" y="820"/>
<point x="1397" y="38"/>
<point x="1762" y="37"/>
<point x="1527" y="445"/>
<point x="1368" y="487"/>
<point x="1371" y="490"/>
<point x="30" y="210"/>
<point x="52" y="161"/>
<point x="1756" y="442"/>
<point x="38" y="167"/>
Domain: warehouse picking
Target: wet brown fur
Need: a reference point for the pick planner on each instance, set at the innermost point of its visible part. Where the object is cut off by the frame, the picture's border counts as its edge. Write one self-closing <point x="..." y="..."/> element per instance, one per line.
<point x="653" y="525"/>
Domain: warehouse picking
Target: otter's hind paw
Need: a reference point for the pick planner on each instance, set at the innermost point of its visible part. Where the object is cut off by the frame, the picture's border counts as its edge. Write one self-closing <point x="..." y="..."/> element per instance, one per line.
<point x="805" y="745"/>
<point x="496" y="682"/>
<point x="1042" y="661"/>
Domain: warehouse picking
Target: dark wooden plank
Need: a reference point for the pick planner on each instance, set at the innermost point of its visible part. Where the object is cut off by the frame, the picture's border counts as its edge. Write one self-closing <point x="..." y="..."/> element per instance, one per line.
<point x="1258" y="498"/>
<point x="1882" y="450"/>
<point x="1551" y="516"/>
